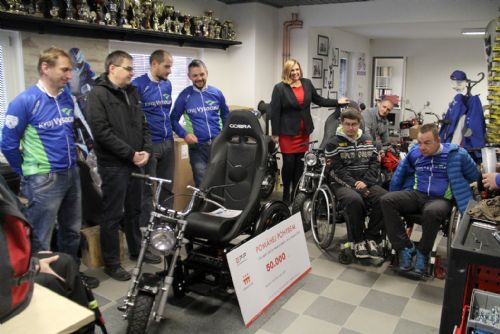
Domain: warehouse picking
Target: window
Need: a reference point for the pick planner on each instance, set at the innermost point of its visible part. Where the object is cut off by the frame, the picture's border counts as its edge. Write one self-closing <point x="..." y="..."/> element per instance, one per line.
<point x="3" y="92"/>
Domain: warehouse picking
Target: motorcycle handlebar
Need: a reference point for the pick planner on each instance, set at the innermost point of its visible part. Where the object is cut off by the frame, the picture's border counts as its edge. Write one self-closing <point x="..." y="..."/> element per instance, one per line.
<point x="150" y="178"/>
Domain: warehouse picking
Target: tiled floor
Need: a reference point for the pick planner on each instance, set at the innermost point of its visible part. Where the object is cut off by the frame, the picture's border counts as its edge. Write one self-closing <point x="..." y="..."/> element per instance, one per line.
<point x="333" y="298"/>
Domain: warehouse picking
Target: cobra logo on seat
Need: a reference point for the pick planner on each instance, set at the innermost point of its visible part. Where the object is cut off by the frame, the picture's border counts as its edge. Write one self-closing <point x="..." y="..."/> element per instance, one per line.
<point x="240" y="126"/>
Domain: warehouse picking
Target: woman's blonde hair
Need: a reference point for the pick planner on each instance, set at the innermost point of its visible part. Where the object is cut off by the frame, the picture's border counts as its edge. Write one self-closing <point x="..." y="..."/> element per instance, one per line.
<point x="287" y="69"/>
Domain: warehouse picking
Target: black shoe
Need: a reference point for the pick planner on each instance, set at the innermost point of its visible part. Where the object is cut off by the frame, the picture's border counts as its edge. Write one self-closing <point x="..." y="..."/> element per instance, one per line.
<point x="90" y="281"/>
<point x="118" y="273"/>
<point x="148" y="258"/>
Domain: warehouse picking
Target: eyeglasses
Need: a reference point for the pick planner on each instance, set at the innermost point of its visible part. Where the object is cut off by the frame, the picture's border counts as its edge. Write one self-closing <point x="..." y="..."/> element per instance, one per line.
<point x="127" y="68"/>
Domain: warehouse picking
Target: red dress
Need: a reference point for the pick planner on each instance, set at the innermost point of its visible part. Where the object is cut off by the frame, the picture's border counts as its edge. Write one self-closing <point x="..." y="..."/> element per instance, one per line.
<point x="293" y="144"/>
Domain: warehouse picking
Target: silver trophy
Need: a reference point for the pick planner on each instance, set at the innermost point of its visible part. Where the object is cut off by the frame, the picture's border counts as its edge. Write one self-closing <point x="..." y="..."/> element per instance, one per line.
<point x="54" y="10"/>
<point x="198" y="22"/>
<point x="110" y="17"/>
<point x="167" y="23"/>
<point x="70" y="10"/>
<point x="83" y="12"/>
<point x="176" y="24"/>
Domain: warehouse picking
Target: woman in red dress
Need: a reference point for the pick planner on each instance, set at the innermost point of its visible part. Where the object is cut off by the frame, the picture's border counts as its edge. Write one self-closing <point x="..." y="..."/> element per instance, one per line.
<point x="292" y="123"/>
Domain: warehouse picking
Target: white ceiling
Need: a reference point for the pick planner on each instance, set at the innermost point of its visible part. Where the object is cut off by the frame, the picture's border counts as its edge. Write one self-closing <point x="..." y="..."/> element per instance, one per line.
<point x="416" y="29"/>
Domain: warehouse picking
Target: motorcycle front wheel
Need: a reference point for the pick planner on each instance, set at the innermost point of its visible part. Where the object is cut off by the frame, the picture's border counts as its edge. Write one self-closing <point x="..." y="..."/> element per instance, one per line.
<point x="140" y="313"/>
<point x="270" y="181"/>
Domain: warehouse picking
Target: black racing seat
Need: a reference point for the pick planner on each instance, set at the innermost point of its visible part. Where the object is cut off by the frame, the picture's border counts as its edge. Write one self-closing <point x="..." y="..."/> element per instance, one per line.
<point x="236" y="170"/>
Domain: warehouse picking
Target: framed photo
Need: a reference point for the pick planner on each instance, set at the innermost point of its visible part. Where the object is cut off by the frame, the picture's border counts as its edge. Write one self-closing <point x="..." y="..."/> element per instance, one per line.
<point x="323" y="45"/>
<point x="335" y="57"/>
<point x="317" y="68"/>
<point x="331" y="76"/>
<point x="332" y="94"/>
<point x="325" y="78"/>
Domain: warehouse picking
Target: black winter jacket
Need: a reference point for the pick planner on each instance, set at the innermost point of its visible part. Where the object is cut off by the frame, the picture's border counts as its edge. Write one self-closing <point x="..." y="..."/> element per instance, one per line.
<point x="353" y="160"/>
<point x="119" y="129"/>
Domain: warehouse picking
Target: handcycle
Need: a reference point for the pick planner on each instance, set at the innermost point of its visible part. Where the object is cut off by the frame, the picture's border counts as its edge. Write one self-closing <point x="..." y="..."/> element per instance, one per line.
<point x="224" y="213"/>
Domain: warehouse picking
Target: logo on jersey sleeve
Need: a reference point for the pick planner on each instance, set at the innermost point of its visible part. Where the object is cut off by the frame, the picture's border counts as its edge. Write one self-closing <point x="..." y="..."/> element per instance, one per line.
<point x="11" y="121"/>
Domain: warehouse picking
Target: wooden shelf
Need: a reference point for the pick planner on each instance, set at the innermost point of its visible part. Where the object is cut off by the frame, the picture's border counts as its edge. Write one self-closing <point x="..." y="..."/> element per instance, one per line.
<point x="42" y="25"/>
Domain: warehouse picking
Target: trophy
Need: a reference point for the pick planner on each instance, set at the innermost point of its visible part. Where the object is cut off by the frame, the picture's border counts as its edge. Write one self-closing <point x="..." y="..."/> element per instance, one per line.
<point x="205" y="22"/>
<point x="217" y="29"/>
<point x="231" y="34"/>
<point x="137" y="14"/>
<point x="54" y="10"/>
<point x="168" y="11"/>
<point x="111" y="14"/>
<point x="158" y="7"/>
<point x="176" y="23"/>
<point x="70" y="10"/>
<point x="123" y="15"/>
<point x="83" y="11"/>
<point x="147" y="9"/>
<point x="15" y="6"/>
<point x="224" y="31"/>
<point x="187" y="25"/>
<point x="197" y="21"/>
<point x="37" y="11"/>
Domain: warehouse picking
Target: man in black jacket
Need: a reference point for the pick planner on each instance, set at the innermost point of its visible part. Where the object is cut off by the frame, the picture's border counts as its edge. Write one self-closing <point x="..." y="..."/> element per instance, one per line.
<point x="122" y="145"/>
<point x="353" y="178"/>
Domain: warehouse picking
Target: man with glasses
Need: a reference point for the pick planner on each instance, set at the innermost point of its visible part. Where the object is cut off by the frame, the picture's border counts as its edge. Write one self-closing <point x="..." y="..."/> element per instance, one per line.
<point x="122" y="145"/>
<point x="205" y="112"/>
<point x="354" y="170"/>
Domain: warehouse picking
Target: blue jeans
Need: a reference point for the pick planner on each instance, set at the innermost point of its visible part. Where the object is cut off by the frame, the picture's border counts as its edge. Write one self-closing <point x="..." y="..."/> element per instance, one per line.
<point x="55" y="197"/>
<point x="199" y="155"/>
<point x="121" y="206"/>
<point x="161" y="164"/>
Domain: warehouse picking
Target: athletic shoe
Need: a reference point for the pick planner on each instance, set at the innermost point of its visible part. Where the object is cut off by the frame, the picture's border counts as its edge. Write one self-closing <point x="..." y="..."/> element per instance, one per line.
<point x="406" y="257"/>
<point x="421" y="261"/>
<point x="360" y="250"/>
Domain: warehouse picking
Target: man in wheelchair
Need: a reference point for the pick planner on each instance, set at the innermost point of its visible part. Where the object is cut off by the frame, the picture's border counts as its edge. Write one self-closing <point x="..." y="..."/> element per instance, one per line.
<point x="353" y="178"/>
<point x="426" y="182"/>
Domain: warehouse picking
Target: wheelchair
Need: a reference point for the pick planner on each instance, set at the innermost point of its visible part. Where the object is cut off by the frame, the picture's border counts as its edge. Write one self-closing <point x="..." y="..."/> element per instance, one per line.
<point x="234" y="176"/>
<point x="317" y="203"/>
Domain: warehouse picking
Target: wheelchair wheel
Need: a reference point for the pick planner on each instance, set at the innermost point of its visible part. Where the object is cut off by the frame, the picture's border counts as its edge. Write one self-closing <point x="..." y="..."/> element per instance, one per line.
<point x="272" y="214"/>
<point x="455" y="217"/>
<point x="140" y="313"/>
<point x="323" y="217"/>
<point x="302" y="203"/>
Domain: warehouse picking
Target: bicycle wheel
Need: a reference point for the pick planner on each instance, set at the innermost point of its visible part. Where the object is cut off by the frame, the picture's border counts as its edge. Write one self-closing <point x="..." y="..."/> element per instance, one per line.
<point x="302" y="203"/>
<point x="323" y="217"/>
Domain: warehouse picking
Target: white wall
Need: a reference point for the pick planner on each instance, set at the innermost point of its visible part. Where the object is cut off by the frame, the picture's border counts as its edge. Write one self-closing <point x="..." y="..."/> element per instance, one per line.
<point x="429" y="65"/>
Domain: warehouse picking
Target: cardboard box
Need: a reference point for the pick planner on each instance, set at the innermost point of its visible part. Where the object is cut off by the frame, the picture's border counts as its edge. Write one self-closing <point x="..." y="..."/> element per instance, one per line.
<point x="183" y="175"/>
<point x="91" y="255"/>
<point x="414" y="131"/>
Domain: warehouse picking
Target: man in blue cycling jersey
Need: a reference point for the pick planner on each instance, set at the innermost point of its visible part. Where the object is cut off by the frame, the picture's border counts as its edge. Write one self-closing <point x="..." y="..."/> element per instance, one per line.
<point x="38" y="141"/>
<point x="205" y="112"/>
<point x="155" y="93"/>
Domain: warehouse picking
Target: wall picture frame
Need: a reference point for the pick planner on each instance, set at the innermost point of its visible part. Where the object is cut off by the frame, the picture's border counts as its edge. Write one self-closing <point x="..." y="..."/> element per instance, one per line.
<point x="332" y="94"/>
<point x="325" y="78"/>
<point x="317" y="68"/>
<point x="335" y="57"/>
<point x="323" y="45"/>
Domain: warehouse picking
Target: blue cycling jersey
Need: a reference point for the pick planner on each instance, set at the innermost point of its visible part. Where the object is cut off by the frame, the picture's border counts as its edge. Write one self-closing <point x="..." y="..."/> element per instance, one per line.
<point x="156" y="102"/>
<point x="43" y="126"/>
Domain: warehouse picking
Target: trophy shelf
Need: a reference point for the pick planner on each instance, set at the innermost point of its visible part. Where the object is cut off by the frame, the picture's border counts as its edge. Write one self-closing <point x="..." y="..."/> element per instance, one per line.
<point x="42" y="25"/>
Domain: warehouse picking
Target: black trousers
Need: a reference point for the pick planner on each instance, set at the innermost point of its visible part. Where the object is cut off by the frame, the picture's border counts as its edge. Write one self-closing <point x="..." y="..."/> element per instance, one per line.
<point x="399" y="203"/>
<point x="72" y="287"/>
<point x="121" y="202"/>
<point x="291" y="171"/>
<point x="355" y="208"/>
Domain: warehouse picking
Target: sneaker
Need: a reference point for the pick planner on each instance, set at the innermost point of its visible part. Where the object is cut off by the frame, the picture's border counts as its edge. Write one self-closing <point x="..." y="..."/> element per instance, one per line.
<point x="406" y="257"/>
<point x="373" y="249"/>
<point x="117" y="273"/>
<point x="90" y="281"/>
<point x="421" y="261"/>
<point x="148" y="258"/>
<point x="360" y="250"/>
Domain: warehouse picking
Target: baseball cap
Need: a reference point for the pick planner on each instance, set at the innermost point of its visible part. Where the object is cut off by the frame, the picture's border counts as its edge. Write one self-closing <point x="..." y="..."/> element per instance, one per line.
<point x="458" y="75"/>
